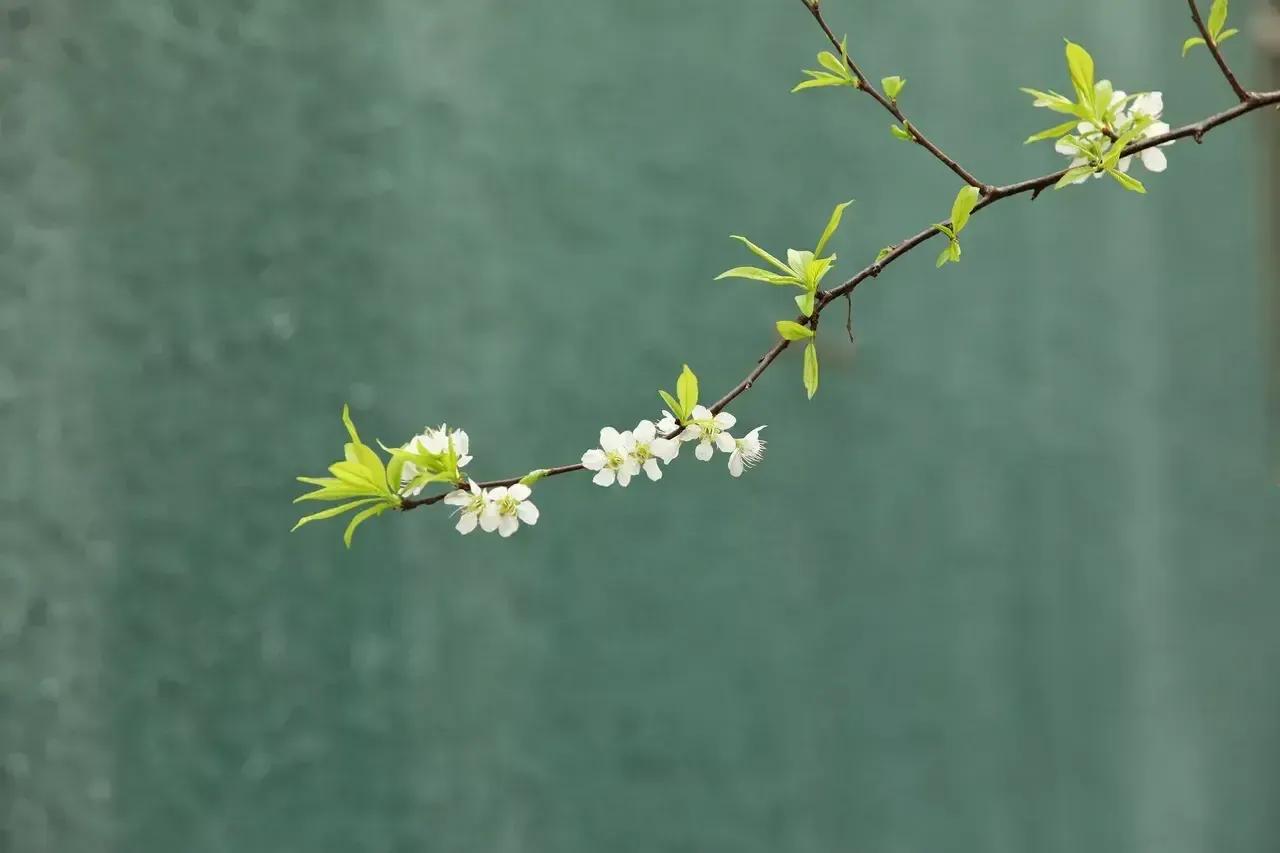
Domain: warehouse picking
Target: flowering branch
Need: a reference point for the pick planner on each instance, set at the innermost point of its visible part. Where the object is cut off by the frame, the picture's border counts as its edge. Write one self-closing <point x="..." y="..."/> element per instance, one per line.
<point x="1106" y="130"/>
<point x="1211" y="36"/>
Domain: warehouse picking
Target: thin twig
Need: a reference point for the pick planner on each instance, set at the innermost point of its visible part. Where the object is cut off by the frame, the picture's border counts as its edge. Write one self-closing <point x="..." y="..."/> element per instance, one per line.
<point x="1034" y="186"/>
<point x="891" y="105"/>
<point x="1240" y="91"/>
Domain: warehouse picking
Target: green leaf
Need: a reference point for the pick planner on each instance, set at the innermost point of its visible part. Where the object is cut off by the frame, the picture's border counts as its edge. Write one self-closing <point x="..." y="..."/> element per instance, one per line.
<point x="687" y="390"/>
<point x="1225" y="34"/>
<point x="811" y="369"/>
<point x="332" y="511"/>
<point x="1053" y="132"/>
<point x="672" y="406"/>
<point x="1131" y="184"/>
<point x="884" y="253"/>
<point x="943" y="257"/>
<point x="902" y="134"/>
<point x="818" y="81"/>
<point x="360" y="518"/>
<point x="832" y="224"/>
<point x="351" y="428"/>
<point x="757" y="274"/>
<point x="893" y="86"/>
<point x="833" y="63"/>
<point x="793" y="331"/>
<point x="533" y="476"/>
<point x="964" y="204"/>
<point x="1217" y="18"/>
<point x="761" y="253"/>
<point x="1080" y="66"/>
<point x="815" y="269"/>
<point x="1073" y="175"/>
<point x="1052" y="100"/>
<point x="946" y="229"/>
<point x="805" y="303"/>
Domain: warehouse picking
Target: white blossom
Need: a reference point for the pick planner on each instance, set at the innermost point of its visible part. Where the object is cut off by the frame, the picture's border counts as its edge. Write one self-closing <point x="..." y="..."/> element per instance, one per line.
<point x="471" y="506"/>
<point x="1148" y="106"/>
<point x="710" y="431"/>
<point x="667" y="424"/>
<point x="747" y="451"/>
<point x="613" y="460"/>
<point x="649" y="447"/>
<point x="435" y="441"/>
<point x="506" y="508"/>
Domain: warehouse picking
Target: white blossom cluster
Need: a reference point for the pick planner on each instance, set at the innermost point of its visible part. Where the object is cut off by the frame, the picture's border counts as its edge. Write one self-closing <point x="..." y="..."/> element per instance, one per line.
<point x="1090" y="138"/>
<point x="622" y="455"/>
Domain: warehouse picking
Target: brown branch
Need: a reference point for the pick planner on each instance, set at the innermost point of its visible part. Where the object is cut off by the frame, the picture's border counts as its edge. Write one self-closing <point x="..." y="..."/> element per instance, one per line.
<point x="1240" y="91"/>
<point x="891" y="105"/>
<point x="1033" y="186"/>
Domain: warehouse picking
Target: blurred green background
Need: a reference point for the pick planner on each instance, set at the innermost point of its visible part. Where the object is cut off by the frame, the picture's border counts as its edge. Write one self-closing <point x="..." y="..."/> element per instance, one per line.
<point x="1007" y="584"/>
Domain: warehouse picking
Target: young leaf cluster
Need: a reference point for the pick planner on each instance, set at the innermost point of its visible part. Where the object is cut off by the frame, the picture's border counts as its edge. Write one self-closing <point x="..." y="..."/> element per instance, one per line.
<point x="961" y="208"/>
<point x="837" y="73"/>
<point x="1216" y="24"/>
<point x="360" y="481"/>
<point x="804" y="270"/>
<point x="686" y="398"/>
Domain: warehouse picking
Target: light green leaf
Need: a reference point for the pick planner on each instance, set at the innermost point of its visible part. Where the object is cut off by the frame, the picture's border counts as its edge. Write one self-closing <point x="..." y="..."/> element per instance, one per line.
<point x="672" y="406"/>
<point x="1053" y="132"/>
<point x="1226" y="34"/>
<point x="1051" y="100"/>
<point x="793" y="331"/>
<point x="1131" y="184"/>
<point x="946" y="229"/>
<point x="832" y="63"/>
<point x="884" y="253"/>
<point x="805" y="303"/>
<point x="811" y="369"/>
<point x="687" y="389"/>
<point x="943" y="257"/>
<point x="757" y="274"/>
<point x="904" y="135"/>
<point x="815" y="269"/>
<point x="832" y="224"/>
<point x="533" y="476"/>
<point x="893" y="86"/>
<point x="964" y="204"/>
<point x="1073" y="175"/>
<point x="332" y="511"/>
<point x="1217" y="18"/>
<point x="360" y="518"/>
<point x="1190" y="43"/>
<point x="761" y="253"/>
<point x="1080" y="66"/>
<point x="818" y="81"/>
<point x="351" y="428"/>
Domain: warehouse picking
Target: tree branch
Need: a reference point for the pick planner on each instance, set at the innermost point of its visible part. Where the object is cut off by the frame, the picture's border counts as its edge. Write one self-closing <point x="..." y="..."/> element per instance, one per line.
<point x="894" y="110"/>
<point x="1034" y="186"/>
<point x="1240" y="91"/>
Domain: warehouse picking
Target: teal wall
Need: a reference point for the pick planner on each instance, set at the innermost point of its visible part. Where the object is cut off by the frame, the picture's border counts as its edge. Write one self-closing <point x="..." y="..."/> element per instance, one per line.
<point x="1008" y="584"/>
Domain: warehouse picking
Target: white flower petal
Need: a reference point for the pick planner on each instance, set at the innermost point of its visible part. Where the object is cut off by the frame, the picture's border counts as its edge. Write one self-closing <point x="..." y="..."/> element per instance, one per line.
<point x="467" y="523"/>
<point x="704" y="451"/>
<point x="701" y="413"/>
<point x="610" y="439"/>
<point x="645" y="432"/>
<point x="653" y="469"/>
<point x="725" y="442"/>
<point x="664" y="448"/>
<point x="508" y="525"/>
<point x="497" y="494"/>
<point x="593" y="460"/>
<point x="458" y="498"/>
<point x="1154" y="160"/>
<point x="528" y="513"/>
<point x="520" y="491"/>
<point x="724" y="420"/>
<point x="604" y="478"/>
<point x="735" y="463"/>
<point x="624" y="475"/>
<point x="489" y="519"/>
<point x="692" y="432"/>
